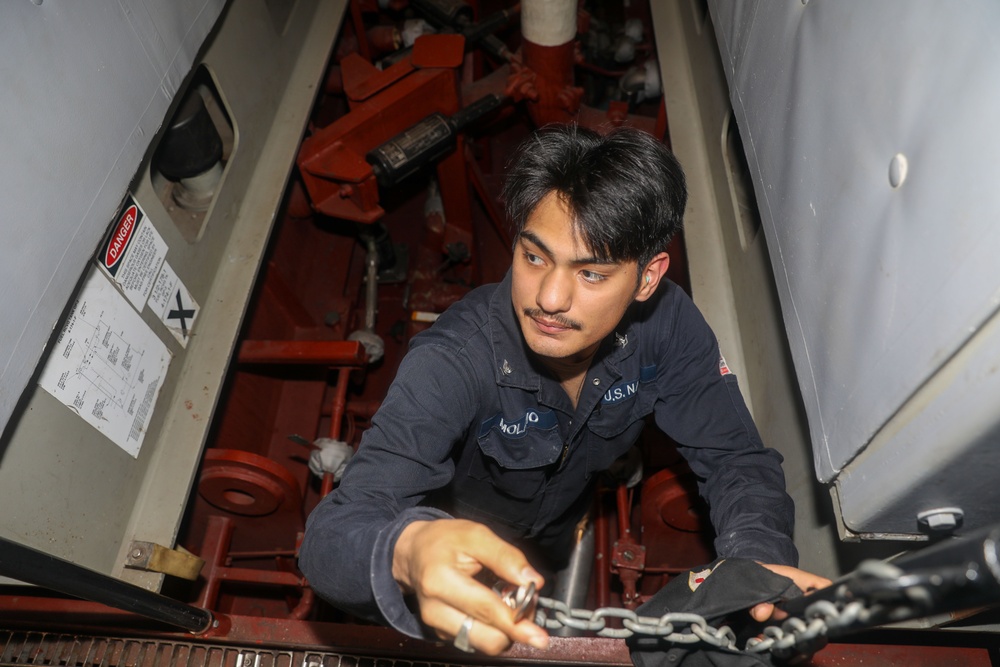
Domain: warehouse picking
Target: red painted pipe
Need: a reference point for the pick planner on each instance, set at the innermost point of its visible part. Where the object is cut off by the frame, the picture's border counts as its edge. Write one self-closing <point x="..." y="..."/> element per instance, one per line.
<point x="316" y="352"/>
<point x="557" y="99"/>
<point x="624" y="507"/>
<point x="336" y="417"/>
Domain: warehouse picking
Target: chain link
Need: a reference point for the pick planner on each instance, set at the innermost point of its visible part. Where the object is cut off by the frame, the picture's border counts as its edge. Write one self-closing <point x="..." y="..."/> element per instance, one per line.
<point x="794" y="635"/>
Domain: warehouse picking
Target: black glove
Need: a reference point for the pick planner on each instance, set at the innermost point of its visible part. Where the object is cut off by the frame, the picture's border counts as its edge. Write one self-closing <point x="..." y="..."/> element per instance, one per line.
<point x="713" y="592"/>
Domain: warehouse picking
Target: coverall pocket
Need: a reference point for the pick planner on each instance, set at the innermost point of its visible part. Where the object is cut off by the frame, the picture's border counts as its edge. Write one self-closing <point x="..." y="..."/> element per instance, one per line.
<point x="617" y="427"/>
<point x="517" y="467"/>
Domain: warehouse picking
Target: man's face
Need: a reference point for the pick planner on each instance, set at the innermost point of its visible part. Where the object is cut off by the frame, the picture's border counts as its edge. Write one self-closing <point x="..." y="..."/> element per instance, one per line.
<point x="566" y="300"/>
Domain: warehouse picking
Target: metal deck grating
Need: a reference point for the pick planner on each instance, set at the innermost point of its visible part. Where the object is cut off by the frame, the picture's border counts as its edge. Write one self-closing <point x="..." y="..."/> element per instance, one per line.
<point x="52" y="649"/>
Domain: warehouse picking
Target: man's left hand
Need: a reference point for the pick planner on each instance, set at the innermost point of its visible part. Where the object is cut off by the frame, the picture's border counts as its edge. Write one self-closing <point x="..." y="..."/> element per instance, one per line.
<point x="807" y="581"/>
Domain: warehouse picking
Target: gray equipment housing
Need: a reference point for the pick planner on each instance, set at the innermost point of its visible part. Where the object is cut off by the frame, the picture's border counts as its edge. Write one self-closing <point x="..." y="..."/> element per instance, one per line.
<point x="869" y="132"/>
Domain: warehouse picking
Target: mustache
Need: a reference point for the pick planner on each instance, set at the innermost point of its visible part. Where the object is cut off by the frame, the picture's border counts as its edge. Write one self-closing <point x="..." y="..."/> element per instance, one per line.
<point x="539" y="314"/>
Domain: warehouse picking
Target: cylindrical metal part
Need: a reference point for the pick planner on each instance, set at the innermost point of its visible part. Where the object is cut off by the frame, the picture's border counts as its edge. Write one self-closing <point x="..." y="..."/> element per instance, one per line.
<point x="481" y="107"/>
<point x="434" y="209"/>
<point x="371" y="284"/>
<point x="405" y="153"/>
<point x="31" y="566"/>
<point x="191" y="144"/>
<point x="384" y="38"/>
<point x="953" y="575"/>
<point x="424" y="142"/>
<point x="495" y="47"/>
<point x="383" y="245"/>
<point x="444" y="12"/>
<point x="573" y="581"/>
<point x="196" y="193"/>
<point x="548" y="22"/>
<point x="548" y="27"/>
<point x="474" y="32"/>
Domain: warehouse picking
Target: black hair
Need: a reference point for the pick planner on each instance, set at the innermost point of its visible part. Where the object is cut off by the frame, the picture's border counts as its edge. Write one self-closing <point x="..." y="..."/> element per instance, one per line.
<point x="625" y="190"/>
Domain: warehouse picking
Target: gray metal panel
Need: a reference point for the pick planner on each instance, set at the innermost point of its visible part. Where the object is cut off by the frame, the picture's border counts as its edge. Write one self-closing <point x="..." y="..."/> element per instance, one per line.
<point x="85" y="87"/>
<point x="879" y="285"/>
<point x="940" y="452"/>
<point x="64" y="487"/>
<point x="730" y="273"/>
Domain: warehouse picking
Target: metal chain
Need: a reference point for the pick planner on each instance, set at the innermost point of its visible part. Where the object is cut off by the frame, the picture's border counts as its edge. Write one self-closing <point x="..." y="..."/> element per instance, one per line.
<point x="794" y="635"/>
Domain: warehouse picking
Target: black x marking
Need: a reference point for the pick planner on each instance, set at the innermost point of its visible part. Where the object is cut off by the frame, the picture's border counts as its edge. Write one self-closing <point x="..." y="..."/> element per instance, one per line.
<point x="181" y="314"/>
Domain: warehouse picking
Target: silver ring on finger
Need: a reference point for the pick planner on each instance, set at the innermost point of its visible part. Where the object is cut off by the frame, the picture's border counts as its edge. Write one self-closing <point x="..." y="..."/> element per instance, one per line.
<point x="462" y="638"/>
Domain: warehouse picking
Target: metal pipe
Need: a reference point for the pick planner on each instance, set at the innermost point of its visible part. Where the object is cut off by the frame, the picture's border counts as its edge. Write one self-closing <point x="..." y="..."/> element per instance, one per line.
<point x="573" y="581"/>
<point x="371" y="286"/>
<point x="602" y="555"/>
<point x="624" y="506"/>
<point x="214" y="547"/>
<point x="306" y="352"/>
<point x="336" y="417"/>
<point x="359" y="29"/>
<point x="452" y="17"/>
<point x="372" y="342"/>
<point x="31" y="566"/>
<point x="548" y="28"/>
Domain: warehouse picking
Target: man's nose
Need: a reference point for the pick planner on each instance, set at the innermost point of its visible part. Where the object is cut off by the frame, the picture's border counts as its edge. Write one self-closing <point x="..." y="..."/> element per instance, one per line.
<point x="555" y="293"/>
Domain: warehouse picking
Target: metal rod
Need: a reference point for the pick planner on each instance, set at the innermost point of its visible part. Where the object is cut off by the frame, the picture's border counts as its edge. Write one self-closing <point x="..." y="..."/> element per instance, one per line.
<point x="602" y="555"/>
<point x="31" y="566"/>
<point x="573" y="581"/>
<point x="477" y="34"/>
<point x="336" y="418"/>
<point x="624" y="512"/>
<point x="315" y="352"/>
<point x="371" y="285"/>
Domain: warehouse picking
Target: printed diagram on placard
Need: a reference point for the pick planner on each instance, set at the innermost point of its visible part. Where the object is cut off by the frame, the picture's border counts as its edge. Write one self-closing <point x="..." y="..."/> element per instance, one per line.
<point x="107" y="364"/>
<point x="113" y="366"/>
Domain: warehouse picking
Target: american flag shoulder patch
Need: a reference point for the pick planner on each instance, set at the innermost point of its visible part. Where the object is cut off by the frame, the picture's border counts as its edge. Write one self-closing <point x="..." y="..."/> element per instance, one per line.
<point x="723" y="366"/>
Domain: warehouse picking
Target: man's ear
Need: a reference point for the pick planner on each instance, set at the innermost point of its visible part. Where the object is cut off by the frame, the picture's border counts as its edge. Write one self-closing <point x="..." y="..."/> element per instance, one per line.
<point x="655" y="271"/>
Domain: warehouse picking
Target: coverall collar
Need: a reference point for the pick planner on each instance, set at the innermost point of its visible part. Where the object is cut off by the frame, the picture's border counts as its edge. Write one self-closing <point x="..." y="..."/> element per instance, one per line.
<point x="512" y="365"/>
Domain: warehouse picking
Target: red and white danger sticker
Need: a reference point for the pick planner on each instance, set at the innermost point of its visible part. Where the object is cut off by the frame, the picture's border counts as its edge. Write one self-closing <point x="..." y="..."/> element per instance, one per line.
<point x="132" y="253"/>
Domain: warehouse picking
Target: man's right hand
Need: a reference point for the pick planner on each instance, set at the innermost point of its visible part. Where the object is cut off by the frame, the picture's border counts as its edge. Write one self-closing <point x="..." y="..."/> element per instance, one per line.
<point x="438" y="560"/>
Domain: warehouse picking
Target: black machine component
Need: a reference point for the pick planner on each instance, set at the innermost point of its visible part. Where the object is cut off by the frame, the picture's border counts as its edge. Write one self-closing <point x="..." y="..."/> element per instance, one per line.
<point x="444" y="12"/>
<point x="455" y="16"/>
<point x="953" y="575"/>
<point x="191" y="145"/>
<point x="426" y="141"/>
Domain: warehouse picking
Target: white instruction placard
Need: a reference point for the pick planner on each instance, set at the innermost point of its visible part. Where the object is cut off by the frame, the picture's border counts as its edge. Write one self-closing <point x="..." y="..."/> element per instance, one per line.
<point x="173" y="304"/>
<point x="132" y="254"/>
<point x="107" y="365"/>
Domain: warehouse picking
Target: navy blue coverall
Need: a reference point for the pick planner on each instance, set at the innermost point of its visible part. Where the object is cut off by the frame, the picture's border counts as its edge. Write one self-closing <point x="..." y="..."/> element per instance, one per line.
<point x="473" y="425"/>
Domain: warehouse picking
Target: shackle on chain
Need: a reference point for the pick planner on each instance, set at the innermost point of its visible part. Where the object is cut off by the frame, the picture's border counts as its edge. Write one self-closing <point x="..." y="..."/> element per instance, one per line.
<point x="522" y="600"/>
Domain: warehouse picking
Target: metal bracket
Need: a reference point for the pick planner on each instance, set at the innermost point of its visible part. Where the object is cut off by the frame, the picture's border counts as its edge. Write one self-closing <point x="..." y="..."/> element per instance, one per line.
<point x="153" y="557"/>
<point x="847" y="534"/>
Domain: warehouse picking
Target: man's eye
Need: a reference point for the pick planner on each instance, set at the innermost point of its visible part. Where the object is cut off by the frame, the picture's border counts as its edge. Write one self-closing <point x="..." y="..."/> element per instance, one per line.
<point x="532" y="258"/>
<point x="592" y="276"/>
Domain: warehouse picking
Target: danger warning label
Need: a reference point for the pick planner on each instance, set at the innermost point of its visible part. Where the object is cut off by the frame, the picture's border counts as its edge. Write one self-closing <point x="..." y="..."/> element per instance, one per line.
<point x="132" y="253"/>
